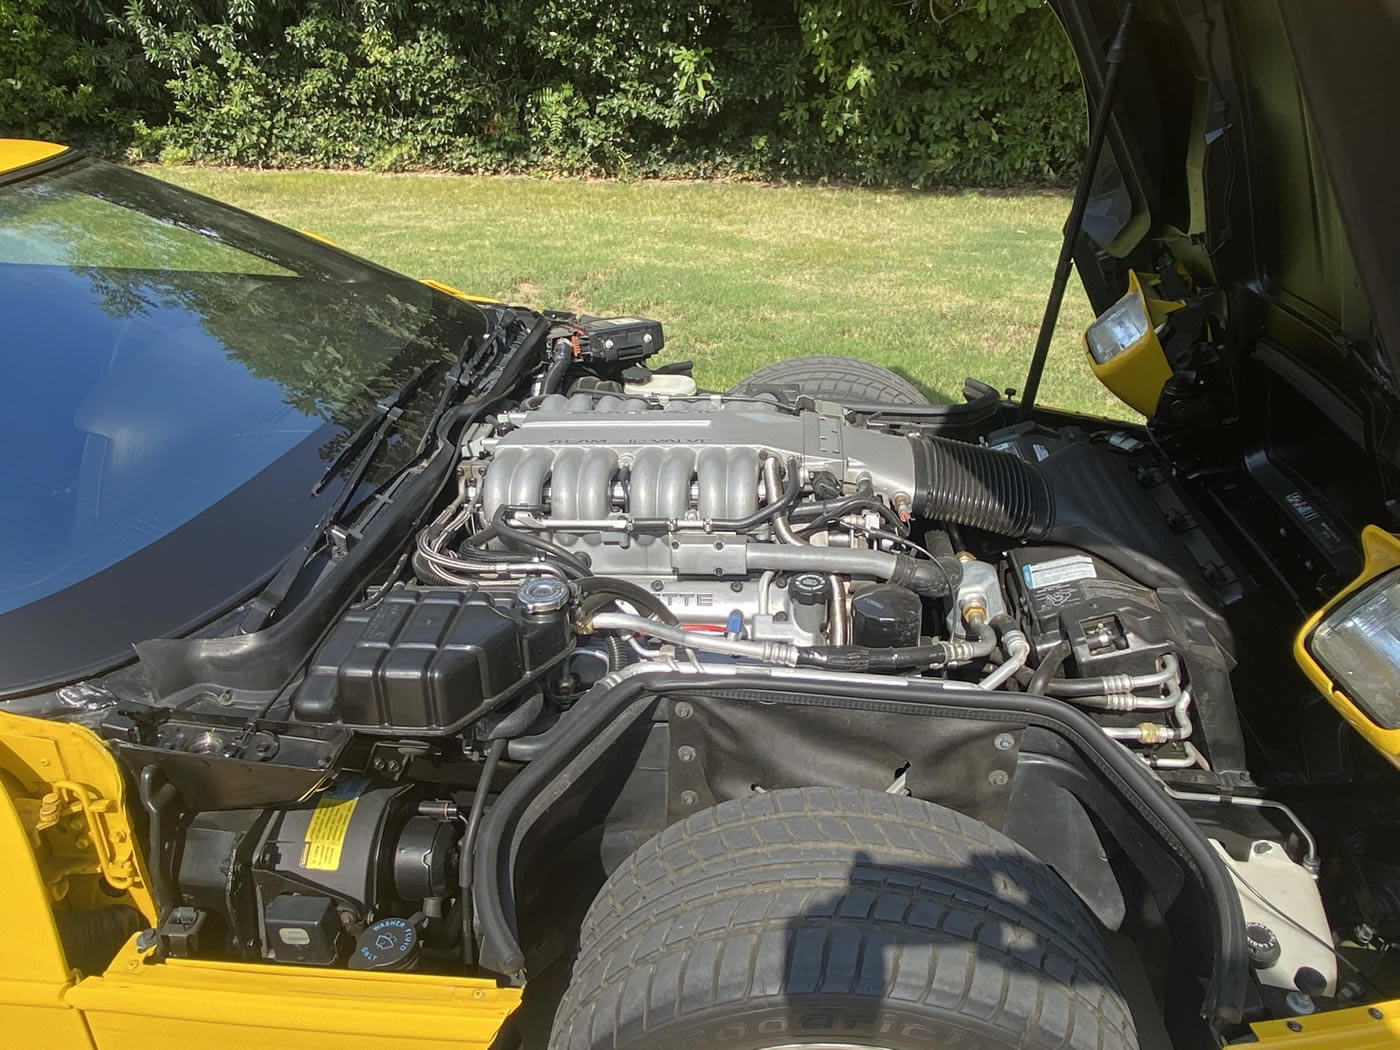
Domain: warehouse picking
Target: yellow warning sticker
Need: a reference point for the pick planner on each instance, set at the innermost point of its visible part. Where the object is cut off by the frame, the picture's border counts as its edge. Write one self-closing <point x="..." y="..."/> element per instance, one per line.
<point x="330" y="820"/>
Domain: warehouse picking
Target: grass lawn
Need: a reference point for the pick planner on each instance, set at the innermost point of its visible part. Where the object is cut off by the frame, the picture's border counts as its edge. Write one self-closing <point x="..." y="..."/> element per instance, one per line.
<point x="934" y="286"/>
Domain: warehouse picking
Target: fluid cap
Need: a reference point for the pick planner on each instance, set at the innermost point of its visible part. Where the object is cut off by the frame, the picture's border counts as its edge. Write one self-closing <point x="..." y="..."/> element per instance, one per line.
<point x="886" y="616"/>
<point x="808" y="588"/>
<point x="542" y="594"/>
<point x="389" y="944"/>
<point x="1264" y="948"/>
<point x="1309" y="981"/>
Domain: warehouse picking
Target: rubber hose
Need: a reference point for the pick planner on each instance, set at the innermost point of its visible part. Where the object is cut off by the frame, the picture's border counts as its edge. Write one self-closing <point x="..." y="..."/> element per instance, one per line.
<point x="616" y="648"/>
<point x="980" y="487"/>
<point x="923" y="577"/>
<point x="857" y="658"/>
<point x="1048" y="668"/>
<point x="517" y="539"/>
<point x="629" y="592"/>
<point x="554" y="376"/>
<point x="91" y="939"/>
<point x="464" y="857"/>
<point x="1078" y="688"/>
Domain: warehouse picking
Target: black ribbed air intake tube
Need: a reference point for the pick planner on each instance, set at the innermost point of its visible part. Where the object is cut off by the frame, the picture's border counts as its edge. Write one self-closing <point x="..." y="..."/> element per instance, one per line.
<point x="980" y="488"/>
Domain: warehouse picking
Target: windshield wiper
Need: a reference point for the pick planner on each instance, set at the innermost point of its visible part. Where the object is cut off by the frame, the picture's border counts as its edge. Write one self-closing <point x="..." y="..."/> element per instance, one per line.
<point x="371" y="433"/>
<point x="358" y="451"/>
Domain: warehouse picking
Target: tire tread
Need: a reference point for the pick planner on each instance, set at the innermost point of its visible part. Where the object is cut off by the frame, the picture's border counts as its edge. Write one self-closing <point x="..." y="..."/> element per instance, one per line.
<point x="835" y="378"/>
<point x="991" y="935"/>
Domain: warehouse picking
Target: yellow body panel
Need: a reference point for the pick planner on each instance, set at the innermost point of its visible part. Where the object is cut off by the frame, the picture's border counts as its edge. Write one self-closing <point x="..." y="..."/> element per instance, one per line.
<point x="457" y="291"/>
<point x="233" y="1006"/>
<point x="1382" y="552"/>
<point x="1359" y="1028"/>
<point x="317" y="237"/>
<point x="71" y="799"/>
<point x="17" y="153"/>
<point x="34" y="976"/>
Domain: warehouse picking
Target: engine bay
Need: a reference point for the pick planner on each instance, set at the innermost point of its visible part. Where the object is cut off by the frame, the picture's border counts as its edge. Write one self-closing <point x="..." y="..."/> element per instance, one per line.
<point x="599" y="527"/>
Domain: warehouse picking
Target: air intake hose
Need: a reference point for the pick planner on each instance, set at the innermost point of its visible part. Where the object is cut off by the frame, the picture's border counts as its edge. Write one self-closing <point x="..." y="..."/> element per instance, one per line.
<point x="980" y="488"/>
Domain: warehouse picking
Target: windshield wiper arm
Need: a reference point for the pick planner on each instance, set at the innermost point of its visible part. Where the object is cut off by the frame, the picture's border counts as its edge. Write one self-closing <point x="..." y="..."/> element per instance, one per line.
<point x="372" y="432"/>
<point x="361" y="448"/>
<point x="363" y="444"/>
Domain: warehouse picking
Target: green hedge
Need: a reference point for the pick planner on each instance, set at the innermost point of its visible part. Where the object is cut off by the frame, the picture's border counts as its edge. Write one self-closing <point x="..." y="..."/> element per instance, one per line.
<point x="909" y="92"/>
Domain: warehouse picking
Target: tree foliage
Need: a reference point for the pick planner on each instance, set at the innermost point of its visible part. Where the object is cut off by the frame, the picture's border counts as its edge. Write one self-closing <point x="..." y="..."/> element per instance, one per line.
<point x="911" y="92"/>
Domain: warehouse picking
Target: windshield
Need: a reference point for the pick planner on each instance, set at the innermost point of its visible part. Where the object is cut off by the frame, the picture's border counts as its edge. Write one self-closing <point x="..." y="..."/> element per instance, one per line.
<point x="161" y="351"/>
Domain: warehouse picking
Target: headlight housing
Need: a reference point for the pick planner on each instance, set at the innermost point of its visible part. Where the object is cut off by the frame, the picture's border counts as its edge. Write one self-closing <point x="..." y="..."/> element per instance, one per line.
<point x="1118" y="328"/>
<point x="1357" y="643"/>
<point x="1123" y="348"/>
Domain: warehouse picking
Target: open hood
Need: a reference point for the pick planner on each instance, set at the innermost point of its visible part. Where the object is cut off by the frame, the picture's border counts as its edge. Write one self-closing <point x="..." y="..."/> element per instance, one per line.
<point x="1253" y="141"/>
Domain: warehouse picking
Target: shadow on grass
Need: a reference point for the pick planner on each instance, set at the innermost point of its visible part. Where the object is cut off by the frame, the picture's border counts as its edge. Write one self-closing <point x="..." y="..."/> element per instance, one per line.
<point x="935" y="395"/>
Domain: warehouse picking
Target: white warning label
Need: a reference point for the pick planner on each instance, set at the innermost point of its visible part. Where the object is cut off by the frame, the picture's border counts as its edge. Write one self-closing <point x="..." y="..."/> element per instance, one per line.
<point x="1060" y="570"/>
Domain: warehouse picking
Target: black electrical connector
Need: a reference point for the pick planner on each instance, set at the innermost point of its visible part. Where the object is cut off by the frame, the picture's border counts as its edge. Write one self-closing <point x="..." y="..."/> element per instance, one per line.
<point x="614" y="341"/>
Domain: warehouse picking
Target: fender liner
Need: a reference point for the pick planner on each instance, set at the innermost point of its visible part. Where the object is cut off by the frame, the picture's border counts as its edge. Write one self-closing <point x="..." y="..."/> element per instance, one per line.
<point x="598" y="720"/>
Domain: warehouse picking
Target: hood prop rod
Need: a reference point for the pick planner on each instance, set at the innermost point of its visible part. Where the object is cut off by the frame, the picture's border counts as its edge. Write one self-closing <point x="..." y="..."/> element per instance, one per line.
<point x="1097" y="132"/>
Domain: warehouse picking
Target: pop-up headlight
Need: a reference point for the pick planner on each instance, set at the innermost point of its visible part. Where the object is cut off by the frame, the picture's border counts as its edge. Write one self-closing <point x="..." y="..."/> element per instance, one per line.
<point x="1118" y="328"/>
<point x="1124" y="350"/>
<point x="1358" y="645"/>
<point x="1350" y="648"/>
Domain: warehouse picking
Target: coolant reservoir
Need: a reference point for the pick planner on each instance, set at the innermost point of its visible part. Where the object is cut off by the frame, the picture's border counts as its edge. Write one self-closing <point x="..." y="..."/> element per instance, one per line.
<point x="662" y="385"/>
<point x="1282" y="897"/>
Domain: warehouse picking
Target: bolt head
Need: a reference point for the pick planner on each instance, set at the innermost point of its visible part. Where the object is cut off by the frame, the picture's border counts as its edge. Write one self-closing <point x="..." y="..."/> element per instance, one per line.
<point x="689" y="798"/>
<point x="998" y="778"/>
<point x="685" y="753"/>
<point x="1299" y="1003"/>
<point x="1005" y="742"/>
<point x="684" y="710"/>
<point x="1261" y="848"/>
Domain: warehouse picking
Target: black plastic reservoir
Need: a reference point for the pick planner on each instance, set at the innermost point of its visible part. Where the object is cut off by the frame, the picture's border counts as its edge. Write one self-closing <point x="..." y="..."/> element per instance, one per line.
<point x="426" y="661"/>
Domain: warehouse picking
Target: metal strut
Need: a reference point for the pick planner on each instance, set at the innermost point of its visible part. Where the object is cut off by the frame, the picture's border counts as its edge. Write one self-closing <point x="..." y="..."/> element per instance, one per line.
<point x="1116" y="53"/>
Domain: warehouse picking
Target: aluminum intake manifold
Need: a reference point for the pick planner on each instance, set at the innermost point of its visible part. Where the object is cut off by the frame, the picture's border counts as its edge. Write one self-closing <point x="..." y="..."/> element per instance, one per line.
<point x="586" y="457"/>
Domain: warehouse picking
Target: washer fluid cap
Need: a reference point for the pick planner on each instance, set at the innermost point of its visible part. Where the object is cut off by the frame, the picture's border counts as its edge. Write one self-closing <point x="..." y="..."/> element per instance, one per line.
<point x="389" y="944"/>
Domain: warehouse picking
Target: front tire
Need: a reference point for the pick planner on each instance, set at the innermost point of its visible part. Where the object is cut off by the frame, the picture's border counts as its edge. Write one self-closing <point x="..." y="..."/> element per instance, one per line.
<point x="831" y="378"/>
<point x="840" y="918"/>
